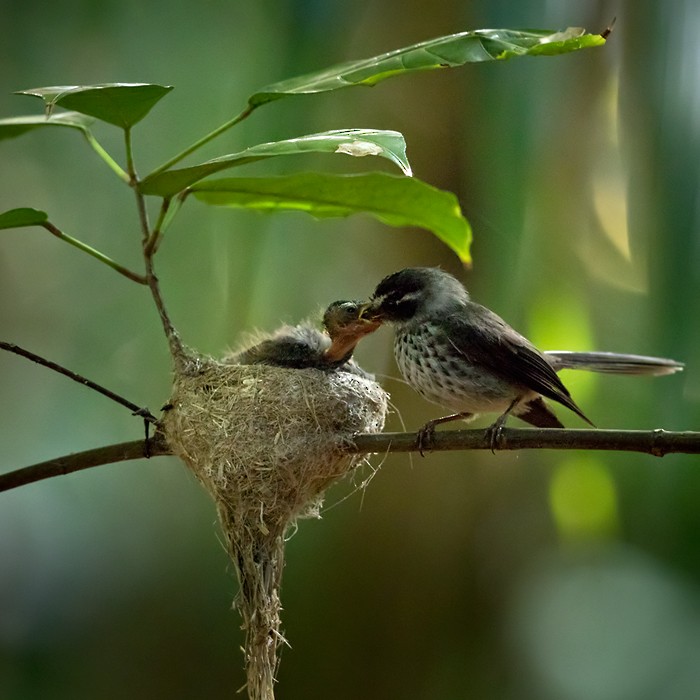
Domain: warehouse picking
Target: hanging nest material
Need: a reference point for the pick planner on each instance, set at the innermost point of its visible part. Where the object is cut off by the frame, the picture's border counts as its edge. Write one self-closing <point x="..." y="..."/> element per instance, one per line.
<point x="267" y="442"/>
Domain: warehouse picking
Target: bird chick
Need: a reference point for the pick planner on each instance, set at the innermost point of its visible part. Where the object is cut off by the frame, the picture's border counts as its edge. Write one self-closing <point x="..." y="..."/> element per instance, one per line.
<point x="346" y="327"/>
<point x="304" y="346"/>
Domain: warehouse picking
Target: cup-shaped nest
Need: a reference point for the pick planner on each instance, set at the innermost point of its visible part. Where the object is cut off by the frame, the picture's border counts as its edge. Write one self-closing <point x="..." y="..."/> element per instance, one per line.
<point x="267" y="441"/>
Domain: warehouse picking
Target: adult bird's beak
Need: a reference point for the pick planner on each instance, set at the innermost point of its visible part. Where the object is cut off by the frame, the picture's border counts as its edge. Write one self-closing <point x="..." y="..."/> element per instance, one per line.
<point x="369" y="312"/>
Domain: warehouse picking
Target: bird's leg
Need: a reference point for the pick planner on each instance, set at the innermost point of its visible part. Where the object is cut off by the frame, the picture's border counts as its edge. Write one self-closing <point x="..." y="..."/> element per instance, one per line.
<point x="493" y="432"/>
<point x="425" y="434"/>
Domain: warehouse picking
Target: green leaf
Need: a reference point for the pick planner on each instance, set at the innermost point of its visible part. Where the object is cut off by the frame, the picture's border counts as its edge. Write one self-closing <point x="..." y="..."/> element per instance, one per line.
<point x="25" y="216"/>
<point x="444" y="52"/>
<point x="394" y="200"/>
<point x="16" y="126"/>
<point x="571" y="39"/>
<point x="354" y="142"/>
<point x="121" y="104"/>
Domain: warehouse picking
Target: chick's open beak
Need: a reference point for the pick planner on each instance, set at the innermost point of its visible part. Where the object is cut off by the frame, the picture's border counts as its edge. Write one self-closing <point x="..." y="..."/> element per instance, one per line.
<point x="346" y="324"/>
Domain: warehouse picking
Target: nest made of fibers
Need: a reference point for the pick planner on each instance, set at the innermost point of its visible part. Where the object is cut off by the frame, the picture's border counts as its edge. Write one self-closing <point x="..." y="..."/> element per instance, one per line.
<point x="267" y="441"/>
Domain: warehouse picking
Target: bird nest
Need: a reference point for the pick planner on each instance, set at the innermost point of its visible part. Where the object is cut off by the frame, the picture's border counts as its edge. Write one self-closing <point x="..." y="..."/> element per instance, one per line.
<point x="266" y="442"/>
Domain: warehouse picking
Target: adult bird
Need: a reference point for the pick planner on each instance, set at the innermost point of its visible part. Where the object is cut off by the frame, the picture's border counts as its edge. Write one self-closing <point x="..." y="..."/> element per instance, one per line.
<point x="461" y="355"/>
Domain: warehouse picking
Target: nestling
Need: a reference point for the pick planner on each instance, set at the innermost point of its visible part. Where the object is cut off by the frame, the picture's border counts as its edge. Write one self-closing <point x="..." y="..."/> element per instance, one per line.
<point x="304" y="346"/>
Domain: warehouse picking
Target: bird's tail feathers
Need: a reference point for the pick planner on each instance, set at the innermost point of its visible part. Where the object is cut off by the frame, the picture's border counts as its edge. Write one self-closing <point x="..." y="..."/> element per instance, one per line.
<point x="613" y="362"/>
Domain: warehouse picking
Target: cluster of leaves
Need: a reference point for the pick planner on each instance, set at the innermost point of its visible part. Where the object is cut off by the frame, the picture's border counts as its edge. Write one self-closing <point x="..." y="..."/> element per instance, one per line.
<point x="398" y="200"/>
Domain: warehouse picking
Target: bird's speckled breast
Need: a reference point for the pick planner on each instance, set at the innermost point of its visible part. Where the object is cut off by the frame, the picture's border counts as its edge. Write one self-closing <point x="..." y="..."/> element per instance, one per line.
<point x="434" y="368"/>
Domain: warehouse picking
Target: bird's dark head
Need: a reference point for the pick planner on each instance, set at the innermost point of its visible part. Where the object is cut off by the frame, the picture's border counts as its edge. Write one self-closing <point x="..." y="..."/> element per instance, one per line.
<point x="412" y="293"/>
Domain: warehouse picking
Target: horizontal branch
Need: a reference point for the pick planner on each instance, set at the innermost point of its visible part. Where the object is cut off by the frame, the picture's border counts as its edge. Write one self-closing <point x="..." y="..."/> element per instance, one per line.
<point x="653" y="442"/>
<point x="110" y="454"/>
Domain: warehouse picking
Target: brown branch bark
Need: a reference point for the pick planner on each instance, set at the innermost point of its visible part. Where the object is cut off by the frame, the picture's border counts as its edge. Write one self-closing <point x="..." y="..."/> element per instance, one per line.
<point x="68" y="464"/>
<point x="136" y="410"/>
<point x="653" y="442"/>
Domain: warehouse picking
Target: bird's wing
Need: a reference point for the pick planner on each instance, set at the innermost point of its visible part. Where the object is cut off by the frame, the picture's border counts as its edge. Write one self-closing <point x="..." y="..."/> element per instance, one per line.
<point x="485" y="338"/>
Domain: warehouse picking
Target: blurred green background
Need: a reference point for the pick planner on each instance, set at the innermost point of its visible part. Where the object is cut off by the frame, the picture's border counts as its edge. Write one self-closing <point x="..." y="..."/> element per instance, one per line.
<point x="514" y="576"/>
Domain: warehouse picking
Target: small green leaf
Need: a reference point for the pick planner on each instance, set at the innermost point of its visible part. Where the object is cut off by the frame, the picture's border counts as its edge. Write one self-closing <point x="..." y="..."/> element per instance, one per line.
<point x="16" y="126"/>
<point x="121" y="104"/>
<point x="443" y="52"/>
<point x="394" y="200"/>
<point x="25" y="216"/>
<point x="354" y="142"/>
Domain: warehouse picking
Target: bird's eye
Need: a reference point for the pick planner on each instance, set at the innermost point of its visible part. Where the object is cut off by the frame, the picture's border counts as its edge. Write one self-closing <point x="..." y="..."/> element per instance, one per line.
<point x="352" y="307"/>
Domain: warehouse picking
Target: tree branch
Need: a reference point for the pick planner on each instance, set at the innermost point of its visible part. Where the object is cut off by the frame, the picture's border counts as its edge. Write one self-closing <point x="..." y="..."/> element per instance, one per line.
<point x="125" y="451"/>
<point x="136" y="410"/>
<point x="653" y="442"/>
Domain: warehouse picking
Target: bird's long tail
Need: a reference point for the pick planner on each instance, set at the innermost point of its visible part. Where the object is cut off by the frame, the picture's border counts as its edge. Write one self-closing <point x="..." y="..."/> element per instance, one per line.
<point x="613" y="362"/>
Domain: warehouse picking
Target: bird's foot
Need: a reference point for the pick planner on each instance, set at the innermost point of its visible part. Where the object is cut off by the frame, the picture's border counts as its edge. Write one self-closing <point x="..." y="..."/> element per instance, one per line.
<point x="424" y="437"/>
<point x="495" y="431"/>
<point x="427" y="432"/>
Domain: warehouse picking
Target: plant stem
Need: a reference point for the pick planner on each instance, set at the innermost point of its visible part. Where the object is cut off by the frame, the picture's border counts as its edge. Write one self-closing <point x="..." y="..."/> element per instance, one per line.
<point x="151" y="246"/>
<point x="129" y="156"/>
<point x="135" y="277"/>
<point x="106" y="157"/>
<point x="204" y="140"/>
<point x="177" y="349"/>
<point x="148" y="242"/>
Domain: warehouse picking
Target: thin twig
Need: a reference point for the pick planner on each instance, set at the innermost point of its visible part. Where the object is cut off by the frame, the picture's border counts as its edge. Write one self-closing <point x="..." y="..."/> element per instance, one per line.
<point x="151" y="246"/>
<point x="204" y="140"/>
<point x="134" y="276"/>
<point x="136" y="410"/>
<point x="653" y="442"/>
<point x="116" y="168"/>
<point x="111" y="454"/>
<point x="177" y="349"/>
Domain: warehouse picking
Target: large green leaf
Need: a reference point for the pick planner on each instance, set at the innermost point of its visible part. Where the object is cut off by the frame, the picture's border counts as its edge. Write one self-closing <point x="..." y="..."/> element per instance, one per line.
<point x="16" y="126"/>
<point x="354" y="142"/>
<point x="394" y="200"/>
<point x="444" y="52"/>
<point x="25" y="216"/>
<point x="121" y="104"/>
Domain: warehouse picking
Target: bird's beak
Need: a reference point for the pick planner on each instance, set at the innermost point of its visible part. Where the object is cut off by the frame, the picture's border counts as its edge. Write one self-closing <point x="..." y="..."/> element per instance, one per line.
<point x="345" y="336"/>
<point x="369" y="313"/>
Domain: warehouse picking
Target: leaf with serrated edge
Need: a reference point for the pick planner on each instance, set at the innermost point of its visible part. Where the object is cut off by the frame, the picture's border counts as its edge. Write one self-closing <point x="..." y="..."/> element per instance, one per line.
<point x="394" y="200"/>
<point x="354" y="142"/>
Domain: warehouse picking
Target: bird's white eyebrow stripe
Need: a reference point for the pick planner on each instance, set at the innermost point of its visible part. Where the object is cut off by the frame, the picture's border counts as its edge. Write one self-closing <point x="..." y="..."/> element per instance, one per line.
<point x="410" y="296"/>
